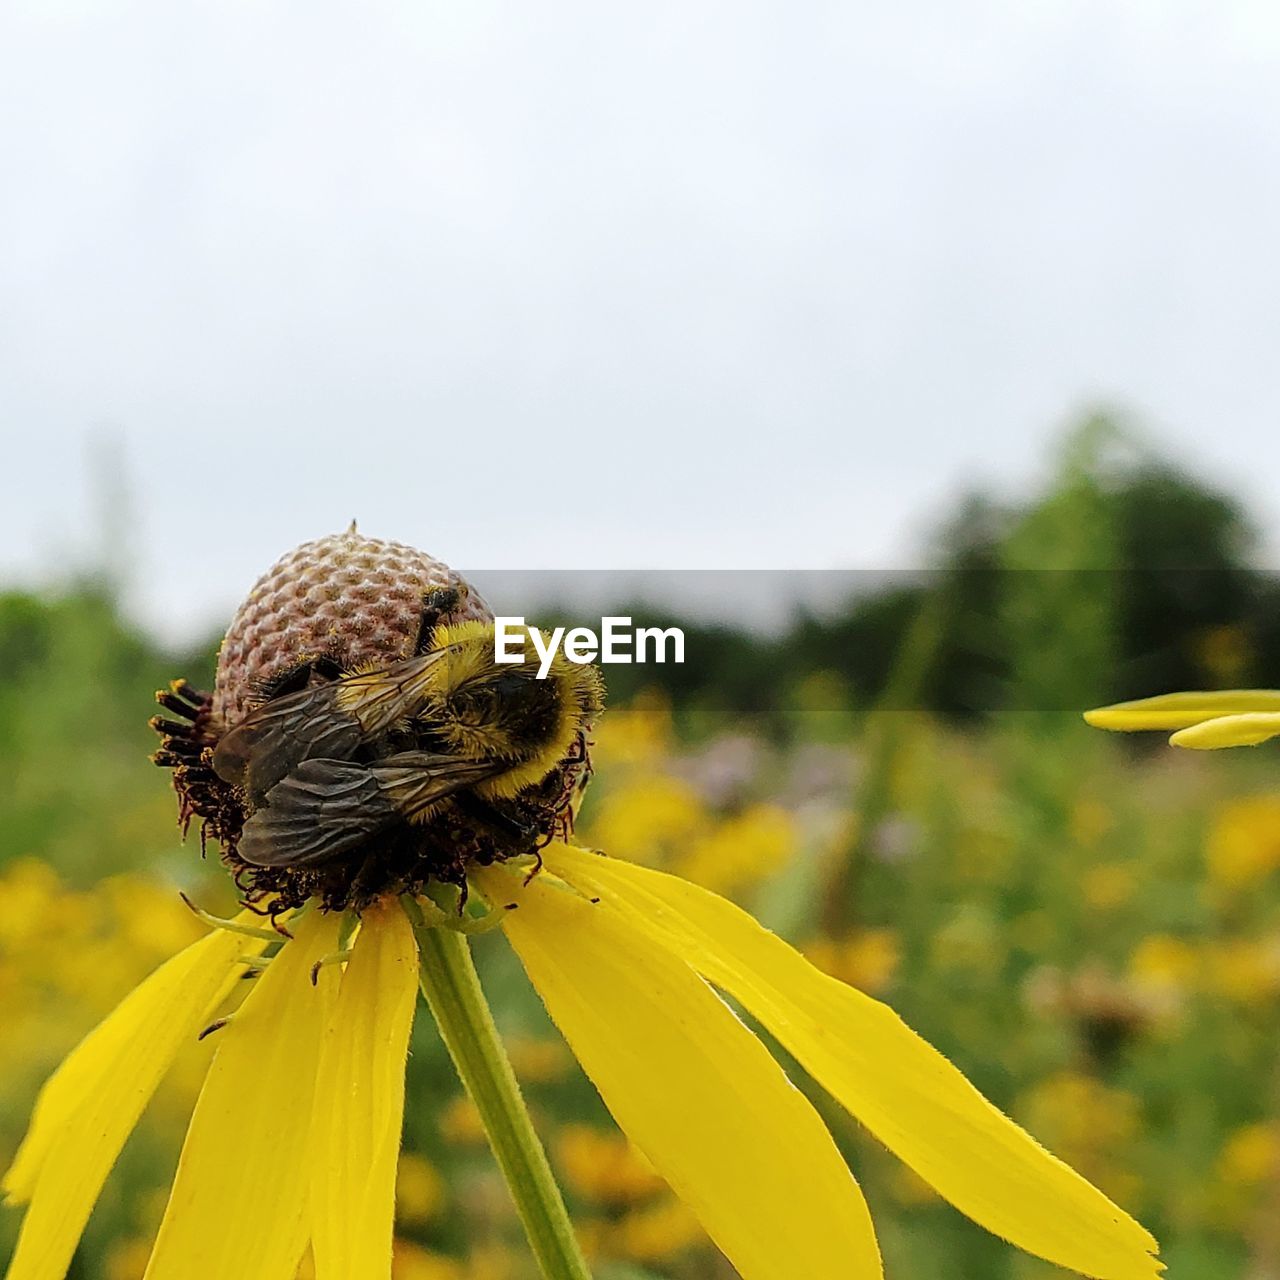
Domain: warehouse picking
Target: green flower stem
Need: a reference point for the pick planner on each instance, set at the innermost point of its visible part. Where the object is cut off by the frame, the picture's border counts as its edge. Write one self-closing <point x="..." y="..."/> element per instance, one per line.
<point x="452" y="989"/>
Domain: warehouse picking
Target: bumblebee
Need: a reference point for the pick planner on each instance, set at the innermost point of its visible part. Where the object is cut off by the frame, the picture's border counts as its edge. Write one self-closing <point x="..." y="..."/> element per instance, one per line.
<point x="350" y="784"/>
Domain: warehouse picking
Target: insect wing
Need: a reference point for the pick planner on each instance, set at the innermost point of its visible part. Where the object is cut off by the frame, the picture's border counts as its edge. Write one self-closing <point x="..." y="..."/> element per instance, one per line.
<point x="321" y="811"/>
<point x="271" y="741"/>
<point x="327" y="808"/>
<point x="413" y="781"/>
<point x="377" y="699"/>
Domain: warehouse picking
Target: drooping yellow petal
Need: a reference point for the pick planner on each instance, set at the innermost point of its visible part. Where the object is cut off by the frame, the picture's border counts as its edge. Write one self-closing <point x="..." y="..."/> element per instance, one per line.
<point x="919" y="1105"/>
<point x="238" y="1204"/>
<point x="692" y="1088"/>
<point x="1230" y="731"/>
<point x="1181" y="710"/>
<point x="89" y="1106"/>
<point x="359" y="1103"/>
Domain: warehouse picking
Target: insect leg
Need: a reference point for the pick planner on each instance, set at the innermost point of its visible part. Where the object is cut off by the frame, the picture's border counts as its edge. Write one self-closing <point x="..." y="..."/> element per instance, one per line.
<point x="297" y="677"/>
<point x="336" y="957"/>
<point x="436" y="605"/>
<point x="475" y="806"/>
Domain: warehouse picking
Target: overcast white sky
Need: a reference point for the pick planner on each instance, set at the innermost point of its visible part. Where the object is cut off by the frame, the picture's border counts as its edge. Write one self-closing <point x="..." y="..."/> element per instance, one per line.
<point x="673" y="284"/>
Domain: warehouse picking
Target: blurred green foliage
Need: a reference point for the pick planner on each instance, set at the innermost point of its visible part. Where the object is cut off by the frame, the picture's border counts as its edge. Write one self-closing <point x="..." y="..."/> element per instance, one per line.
<point x="1152" y="571"/>
<point x="904" y="788"/>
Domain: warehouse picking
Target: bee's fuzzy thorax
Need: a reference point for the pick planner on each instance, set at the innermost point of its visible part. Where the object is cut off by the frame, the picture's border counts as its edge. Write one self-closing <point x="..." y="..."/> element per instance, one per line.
<point x="578" y="700"/>
<point x="542" y="715"/>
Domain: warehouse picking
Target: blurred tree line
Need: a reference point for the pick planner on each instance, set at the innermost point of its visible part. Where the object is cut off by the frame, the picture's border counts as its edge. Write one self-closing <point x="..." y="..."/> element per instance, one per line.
<point x="1125" y="576"/>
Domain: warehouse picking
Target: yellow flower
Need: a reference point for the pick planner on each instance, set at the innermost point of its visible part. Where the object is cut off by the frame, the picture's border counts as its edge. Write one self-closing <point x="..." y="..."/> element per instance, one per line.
<point x="1203" y="721"/>
<point x="351" y="646"/>
<point x="662" y="821"/>
<point x="306" y="1078"/>
<point x="629" y="961"/>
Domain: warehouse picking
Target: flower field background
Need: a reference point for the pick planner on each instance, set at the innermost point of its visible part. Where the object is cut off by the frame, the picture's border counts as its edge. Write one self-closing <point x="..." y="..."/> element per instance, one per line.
<point x="1089" y="927"/>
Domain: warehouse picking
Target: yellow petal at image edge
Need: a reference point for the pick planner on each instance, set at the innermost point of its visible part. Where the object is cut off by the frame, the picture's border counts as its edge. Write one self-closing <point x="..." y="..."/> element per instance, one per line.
<point x="1229" y="731"/>
<point x="1181" y="710"/>
<point x="90" y="1105"/>
<point x="239" y="1199"/>
<point x="692" y="1087"/>
<point x="359" y="1102"/>
<point x="919" y="1105"/>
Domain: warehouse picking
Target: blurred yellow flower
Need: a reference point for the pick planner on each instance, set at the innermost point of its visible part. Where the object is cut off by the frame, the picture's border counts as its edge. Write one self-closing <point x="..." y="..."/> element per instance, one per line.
<point x="650" y="821"/>
<point x="1250" y="1156"/>
<point x="866" y="959"/>
<point x="1248" y="1161"/>
<point x="28" y="889"/>
<point x="659" y="820"/>
<point x="493" y="1262"/>
<point x="1224" y="652"/>
<point x="1244" y="970"/>
<point x="1164" y="965"/>
<point x="412" y="1262"/>
<point x="460" y="1122"/>
<point x="639" y="734"/>
<point x="1109" y="885"/>
<point x="969" y="942"/>
<point x="1090" y="821"/>
<point x="1243" y="845"/>
<point x="909" y="1189"/>
<point x="127" y="1259"/>
<point x="148" y="915"/>
<point x="655" y="1232"/>
<point x="1089" y="1122"/>
<point x="604" y="1167"/>
<point x="539" y="1060"/>
<point x="739" y="851"/>
<point x="420" y="1190"/>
